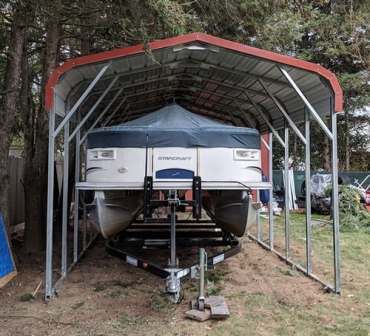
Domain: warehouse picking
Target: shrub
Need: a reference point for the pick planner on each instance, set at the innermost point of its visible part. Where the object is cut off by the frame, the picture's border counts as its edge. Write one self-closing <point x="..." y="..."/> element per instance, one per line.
<point x="353" y="214"/>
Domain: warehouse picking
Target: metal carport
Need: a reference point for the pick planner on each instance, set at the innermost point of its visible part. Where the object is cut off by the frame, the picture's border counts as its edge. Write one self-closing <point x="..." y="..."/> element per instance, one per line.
<point x="221" y="79"/>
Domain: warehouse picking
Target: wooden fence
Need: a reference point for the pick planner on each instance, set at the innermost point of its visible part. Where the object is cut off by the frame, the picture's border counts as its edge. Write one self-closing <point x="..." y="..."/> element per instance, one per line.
<point x="16" y="191"/>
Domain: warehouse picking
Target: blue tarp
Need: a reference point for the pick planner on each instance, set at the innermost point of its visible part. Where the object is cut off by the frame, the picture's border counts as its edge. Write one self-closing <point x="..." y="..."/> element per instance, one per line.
<point x="6" y="260"/>
<point x="174" y="126"/>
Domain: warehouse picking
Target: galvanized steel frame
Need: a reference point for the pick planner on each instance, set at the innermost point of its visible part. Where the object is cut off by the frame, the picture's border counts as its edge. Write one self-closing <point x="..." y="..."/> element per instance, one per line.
<point x="79" y="139"/>
<point x="65" y="124"/>
<point x="332" y="135"/>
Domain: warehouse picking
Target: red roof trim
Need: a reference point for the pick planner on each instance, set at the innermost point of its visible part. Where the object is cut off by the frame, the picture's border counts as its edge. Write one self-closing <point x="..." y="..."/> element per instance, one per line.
<point x="169" y="42"/>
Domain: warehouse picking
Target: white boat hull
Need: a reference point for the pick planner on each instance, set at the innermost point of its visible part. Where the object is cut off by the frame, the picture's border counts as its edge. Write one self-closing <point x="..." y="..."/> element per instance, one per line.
<point x="113" y="212"/>
<point x="118" y="183"/>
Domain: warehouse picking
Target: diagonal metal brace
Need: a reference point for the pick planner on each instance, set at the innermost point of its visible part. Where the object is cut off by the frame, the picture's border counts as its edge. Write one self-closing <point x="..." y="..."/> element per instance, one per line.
<point x="106" y="122"/>
<point x="267" y="121"/>
<point x="283" y="111"/>
<point x="125" y="114"/>
<point x="81" y="99"/>
<point x="92" y="110"/>
<point x="102" y="114"/>
<point x="307" y="103"/>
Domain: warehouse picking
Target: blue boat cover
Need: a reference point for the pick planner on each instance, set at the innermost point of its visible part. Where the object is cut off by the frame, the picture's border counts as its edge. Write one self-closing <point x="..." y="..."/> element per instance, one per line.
<point x="173" y="126"/>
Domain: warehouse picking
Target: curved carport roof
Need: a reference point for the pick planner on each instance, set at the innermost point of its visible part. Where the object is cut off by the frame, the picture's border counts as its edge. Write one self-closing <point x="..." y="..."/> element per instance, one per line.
<point x="224" y="80"/>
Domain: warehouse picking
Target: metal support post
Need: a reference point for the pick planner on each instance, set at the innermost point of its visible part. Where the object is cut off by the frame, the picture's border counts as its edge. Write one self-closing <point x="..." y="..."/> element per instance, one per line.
<point x="202" y="266"/>
<point x="308" y="194"/>
<point x="335" y="203"/>
<point x="271" y="194"/>
<point x="50" y="210"/>
<point x="286" y="192"/>
<point x="173" y="285"/>
<point x="65" y="201"/>
<point x="258" y="221"/>
<point x="84" y="219"/>
<point x="77" y="196"/>
<point x="173" y="235"/>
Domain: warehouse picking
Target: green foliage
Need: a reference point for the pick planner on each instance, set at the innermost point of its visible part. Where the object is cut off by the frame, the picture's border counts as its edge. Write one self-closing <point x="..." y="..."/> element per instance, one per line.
<point x="357" y="89"/>
<point x="337" y="37"/>
<point x="353" y="214"/>
<point x="171" y="16"/>
<point x="160" y="303"/>
<point x="282" y="32"/>
<point x="26" y="297"/>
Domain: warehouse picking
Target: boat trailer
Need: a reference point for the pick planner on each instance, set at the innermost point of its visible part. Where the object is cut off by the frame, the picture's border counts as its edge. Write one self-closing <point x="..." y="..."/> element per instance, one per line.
<point x="170" y="234"/>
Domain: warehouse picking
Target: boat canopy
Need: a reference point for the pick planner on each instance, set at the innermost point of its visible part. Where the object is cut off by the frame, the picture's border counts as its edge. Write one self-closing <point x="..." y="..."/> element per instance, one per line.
<point x="174" y="126"/>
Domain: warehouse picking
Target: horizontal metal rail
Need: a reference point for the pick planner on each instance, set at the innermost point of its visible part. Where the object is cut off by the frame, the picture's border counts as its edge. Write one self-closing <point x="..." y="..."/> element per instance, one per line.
<point x="292" y="263"/>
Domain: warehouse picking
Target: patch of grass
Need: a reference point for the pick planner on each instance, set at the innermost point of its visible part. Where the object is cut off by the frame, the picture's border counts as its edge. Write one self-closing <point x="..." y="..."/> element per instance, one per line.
<point x="212" y="289"/>
<point x="160" y="302"/>
<point x="215" y="279"/>
<point x="289" y="318"/>
<point x="236" y="295"/>
<point x="103" y="285"/>
<point x="26" y="297"/>
<point x="125" y="321"/>
<point x="288" y="271"/>
<point x="117" y="294"/>
<point x="345" y="315"/>
<point x="190" y="285"/>
<point x="216" y="275"/>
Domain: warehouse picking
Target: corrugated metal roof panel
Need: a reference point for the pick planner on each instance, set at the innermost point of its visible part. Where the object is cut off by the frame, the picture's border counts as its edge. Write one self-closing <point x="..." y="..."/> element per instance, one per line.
<point x="211" y="78"/>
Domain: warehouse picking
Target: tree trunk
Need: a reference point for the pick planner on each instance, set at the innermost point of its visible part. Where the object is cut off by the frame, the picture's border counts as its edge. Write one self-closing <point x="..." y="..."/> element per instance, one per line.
<point x="36" y="145"/>
<point x="8" y="104"/>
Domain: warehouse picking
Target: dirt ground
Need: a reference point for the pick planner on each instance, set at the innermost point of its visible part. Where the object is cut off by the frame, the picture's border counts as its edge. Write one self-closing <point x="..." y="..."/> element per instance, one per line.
<point x="105" y="296"/>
